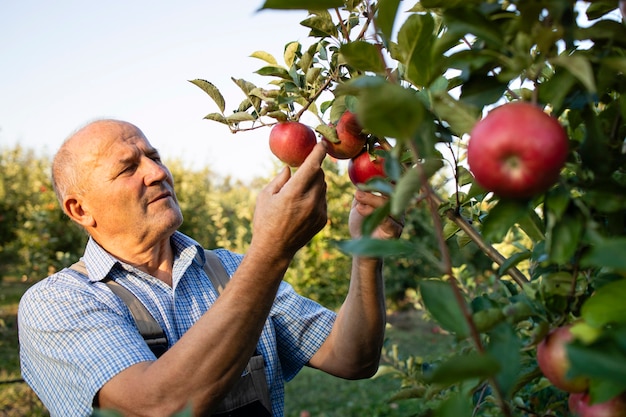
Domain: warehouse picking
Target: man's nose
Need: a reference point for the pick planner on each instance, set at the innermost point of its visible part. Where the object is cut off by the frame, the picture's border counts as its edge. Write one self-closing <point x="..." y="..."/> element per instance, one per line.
<point x="154" y="171"/>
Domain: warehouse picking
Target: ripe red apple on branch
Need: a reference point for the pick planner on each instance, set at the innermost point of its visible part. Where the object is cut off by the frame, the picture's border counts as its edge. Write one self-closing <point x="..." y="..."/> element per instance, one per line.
<point x="553" y="362"/>
<point x="366" y="166"/>
<point x="517" y="150"/>
<point x="579" y="406"/>
<point x="350" y="135"/>
<point x="292" y="142"/>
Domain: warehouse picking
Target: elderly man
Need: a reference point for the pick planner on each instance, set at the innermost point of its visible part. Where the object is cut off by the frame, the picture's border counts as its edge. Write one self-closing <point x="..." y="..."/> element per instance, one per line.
<point x="79" y="345"/>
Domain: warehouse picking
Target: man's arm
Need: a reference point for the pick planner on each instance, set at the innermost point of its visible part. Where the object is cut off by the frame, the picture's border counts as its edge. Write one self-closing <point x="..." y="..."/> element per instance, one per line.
<point x="352" y="350"/>
<point x="204" y="364"/>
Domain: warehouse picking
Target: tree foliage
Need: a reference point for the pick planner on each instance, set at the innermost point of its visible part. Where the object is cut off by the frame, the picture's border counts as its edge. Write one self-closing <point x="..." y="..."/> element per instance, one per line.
<point x="419" y="79"/>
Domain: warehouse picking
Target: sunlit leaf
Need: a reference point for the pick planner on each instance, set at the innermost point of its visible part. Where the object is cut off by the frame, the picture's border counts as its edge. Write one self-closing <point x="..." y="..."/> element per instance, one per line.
<point x="321" y="24"/>
<point x="265" y="56"/>
<point x="212" y="91"/>
<point x="302" y="4"/>
<point x="216" y="117"/>
<point x="291" y="50"/>
<point x="240" y="117"/>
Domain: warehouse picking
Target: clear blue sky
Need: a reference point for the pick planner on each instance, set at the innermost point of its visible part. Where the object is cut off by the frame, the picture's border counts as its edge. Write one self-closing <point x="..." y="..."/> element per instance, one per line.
<point x="67" y="62"/>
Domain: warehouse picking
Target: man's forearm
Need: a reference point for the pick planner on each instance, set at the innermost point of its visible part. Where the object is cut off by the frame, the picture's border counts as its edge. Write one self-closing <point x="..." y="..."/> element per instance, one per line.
<point x="353" y="347"/>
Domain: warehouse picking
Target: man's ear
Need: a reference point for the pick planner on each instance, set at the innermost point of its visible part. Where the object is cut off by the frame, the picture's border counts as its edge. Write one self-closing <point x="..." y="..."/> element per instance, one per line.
<point x="77" y="212"/>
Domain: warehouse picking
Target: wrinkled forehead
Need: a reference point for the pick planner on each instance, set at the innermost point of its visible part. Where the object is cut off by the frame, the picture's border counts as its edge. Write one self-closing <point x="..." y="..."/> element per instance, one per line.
<point x="109" y="139"/>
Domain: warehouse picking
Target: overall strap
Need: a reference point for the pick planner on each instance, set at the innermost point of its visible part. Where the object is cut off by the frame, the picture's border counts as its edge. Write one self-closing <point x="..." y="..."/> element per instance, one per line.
<point x="215" y="271"/>
<point x="147" y="325"/>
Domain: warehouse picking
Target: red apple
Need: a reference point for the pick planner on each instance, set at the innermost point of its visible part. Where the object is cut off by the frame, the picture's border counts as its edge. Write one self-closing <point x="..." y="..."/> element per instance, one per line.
<point x="553" y="362"/>
<point x="517" y="150"/>
<point x="366" y="166"/>
<point x="579" y="406"/>
<point x="350" y="135"/>
<point x="292" y="142"/>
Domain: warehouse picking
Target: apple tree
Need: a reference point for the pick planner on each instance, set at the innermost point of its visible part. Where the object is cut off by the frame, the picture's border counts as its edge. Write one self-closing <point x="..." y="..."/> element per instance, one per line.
<point x="420" y="78"/>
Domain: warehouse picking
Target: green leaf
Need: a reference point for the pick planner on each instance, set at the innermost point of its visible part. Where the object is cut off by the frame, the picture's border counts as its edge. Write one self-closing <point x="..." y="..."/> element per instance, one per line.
<point x="461" y="368"/>
<point x="465" y="20"/>
<point x="216" y="117"/>
<point x="580" y="67"/>
<point x="502" y="217"/>
<point x="513" y="260"/>
<point x="321" y="25"/>
<point x="371" y="222"/>
<point x="212" y="91"/>
<point x="460" y="116"/>
<point x="302" y="4"/>
<point x="389" y="110"/>
<point x="564" y="235"/>
<point x="363" y="56"/>
<point x="406" y="189"/>
<point x="532" y="225"/>
<point x="604" y="359"/>
<point x="387" y="11"/>
<point x="456" y="405"/>
<point x="240" y="117"/>
<point x="481" y="90"/>
<point x="505" y="346"/>
<point x="409" y="184"/>
<point x="439" y="300"/>
<point x="274" y="71"/>
<point x="415" y="41"/>
<point x="606" y="305"/>
<point x="367" y="246"/>
<point x="608" y="253"/>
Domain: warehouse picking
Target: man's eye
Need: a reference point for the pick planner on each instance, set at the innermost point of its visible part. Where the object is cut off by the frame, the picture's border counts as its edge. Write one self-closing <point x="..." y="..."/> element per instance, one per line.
<point x="128" y="169"/>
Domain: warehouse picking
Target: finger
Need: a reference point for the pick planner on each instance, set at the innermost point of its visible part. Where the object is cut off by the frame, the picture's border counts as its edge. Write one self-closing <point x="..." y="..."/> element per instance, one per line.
<point x="367" y="198"/>
<point x="279" y="181"/>
<point x="313" y="162"/>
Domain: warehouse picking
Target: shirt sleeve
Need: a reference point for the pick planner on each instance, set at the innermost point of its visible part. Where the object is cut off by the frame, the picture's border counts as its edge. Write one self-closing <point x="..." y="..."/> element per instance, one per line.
<point x="74" y="337"/>
<point x="302" y="325"/>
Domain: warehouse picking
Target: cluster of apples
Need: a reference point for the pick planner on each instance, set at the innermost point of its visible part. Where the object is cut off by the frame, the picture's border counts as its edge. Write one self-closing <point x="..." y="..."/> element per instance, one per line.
<point x="292" y="141"/>
<point x="554" y="364"/>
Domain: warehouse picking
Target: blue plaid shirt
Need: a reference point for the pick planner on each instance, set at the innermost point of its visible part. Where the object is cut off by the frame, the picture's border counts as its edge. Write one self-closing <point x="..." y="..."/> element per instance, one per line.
<point x="75" y="334"/>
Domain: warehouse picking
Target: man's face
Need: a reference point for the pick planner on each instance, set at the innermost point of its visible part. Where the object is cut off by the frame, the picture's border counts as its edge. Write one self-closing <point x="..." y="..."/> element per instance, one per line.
<point x="129" y="192"/>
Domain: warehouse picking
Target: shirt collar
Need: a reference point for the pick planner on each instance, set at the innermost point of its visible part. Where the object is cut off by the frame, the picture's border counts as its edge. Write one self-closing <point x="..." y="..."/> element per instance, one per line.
<point x="99" y="262"/>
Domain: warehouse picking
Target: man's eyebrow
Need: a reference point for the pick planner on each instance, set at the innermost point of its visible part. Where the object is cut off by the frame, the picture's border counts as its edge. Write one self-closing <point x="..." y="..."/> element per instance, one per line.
<point x="152" y="152"/>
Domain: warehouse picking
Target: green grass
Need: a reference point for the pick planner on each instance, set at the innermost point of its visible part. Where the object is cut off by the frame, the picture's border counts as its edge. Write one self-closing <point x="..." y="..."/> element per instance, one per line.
<point x="316" y="394"/>
<point x="16" y="398"/>
<point x="310" y="393"/>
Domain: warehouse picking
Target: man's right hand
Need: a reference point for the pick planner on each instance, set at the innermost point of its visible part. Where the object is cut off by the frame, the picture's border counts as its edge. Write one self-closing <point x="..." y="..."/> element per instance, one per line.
<point x="291" y="209"/>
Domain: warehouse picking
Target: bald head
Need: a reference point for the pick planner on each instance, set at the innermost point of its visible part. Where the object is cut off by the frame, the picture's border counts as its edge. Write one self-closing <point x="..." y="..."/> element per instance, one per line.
<point x="70" y="166"/>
